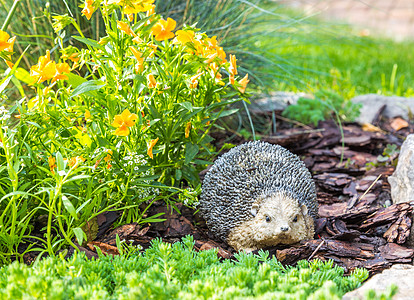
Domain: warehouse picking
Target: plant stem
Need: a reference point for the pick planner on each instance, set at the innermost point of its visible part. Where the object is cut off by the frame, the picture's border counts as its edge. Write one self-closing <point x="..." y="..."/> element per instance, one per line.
<point x="10" y="15"/>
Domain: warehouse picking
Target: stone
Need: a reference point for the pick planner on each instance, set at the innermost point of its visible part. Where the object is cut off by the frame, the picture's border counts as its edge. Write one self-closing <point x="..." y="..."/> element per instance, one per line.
<point x="276" y="101"/>
<point x="394" y="107"/>
<point x="402" y="180"/>
<point x="400" y="274"/>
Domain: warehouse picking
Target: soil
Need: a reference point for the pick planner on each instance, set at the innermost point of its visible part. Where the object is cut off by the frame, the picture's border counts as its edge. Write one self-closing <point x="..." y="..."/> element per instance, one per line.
<point x="358" y="226"/>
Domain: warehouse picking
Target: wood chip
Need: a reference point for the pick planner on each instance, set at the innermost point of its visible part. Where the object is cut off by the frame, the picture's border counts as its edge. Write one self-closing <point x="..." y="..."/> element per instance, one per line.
<point x="398" y="124"/>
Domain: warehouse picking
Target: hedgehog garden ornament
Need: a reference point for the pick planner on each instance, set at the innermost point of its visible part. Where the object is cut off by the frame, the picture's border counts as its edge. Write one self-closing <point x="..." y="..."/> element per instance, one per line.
<point x="259" y="195"/>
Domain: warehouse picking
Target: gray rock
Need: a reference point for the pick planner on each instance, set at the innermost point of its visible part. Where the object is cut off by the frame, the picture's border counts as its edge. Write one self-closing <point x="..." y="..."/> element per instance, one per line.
<point x="276" y="101"/>
<point x="400" y="275"/>
<point x="402" y="180"/>
<point x="394" y="107"/>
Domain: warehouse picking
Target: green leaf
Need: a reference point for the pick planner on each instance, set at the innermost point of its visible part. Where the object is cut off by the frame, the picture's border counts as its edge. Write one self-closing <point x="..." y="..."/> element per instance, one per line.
<point x="187" y="105"/>
<point x="59" y="162"/>
<point x="69" y="207"/>
<point x="178" y="174"/>
<point x="89" y="42"/>
<point x="191" y="151"/>
<point x="80" y="235"/>
<point x="225" y="113"/>
<point x="119" y="245"/>
<point x="87" y="86"/>
<point x="24" y="76"/>
<point x="75" y="80"/>
<point x="4" y="84"/>
<point x="78" y="177"/>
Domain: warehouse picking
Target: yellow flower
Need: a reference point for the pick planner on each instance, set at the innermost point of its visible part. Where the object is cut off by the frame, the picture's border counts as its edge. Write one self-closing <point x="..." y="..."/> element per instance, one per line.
<point x="211" y="57"/>
<point x="184" y="37"/>
<point x="162" y="29"/>
<point x="82" y="136"/>
<point x="61" y="70"/>
<point x="150" y="146"/>
<point x="88" y="9"/>
<point x="233" y="66"/>
<point x="123" y="121"/>
<point x="152" y="83"/>
<point x="243" y="82"/>
<point x="134" y="6"/>
<point x="151" y="11"/>
<point x="187" y="129"/>
<point x="125" y="28"/>
<point x="136" y="53"/>
<point x="47" y="69"/>
<point x="137" y="40"/>
<point x="4" y="40"/>
<point x="140" y="59"/>
<point x="215" y="71"/>
<point x="87" y="115"/>
<point x="194" y="80"/>
<point x="10" y="49"/>
<point x="52" y="164"/>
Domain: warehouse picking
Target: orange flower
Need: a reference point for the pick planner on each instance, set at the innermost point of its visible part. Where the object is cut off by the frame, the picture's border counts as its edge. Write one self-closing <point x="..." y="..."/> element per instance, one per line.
<point x="123" y="121"/>
<point x="134" y="6"/>
<point x="108" y="157"/>
<point x="4" y="40"/>
<point x="125" y="28"/>
<point x="231" y="79"/>
<point x="52" y="164"/>
<point x="187" y="129"/>
<point x="75" y="161"/>
<point x="152" y="83"/>
<point x="244" y="81"/>
<point x="88" y="9"/>
<point x="150" y="146"/>
<point x="162" y="29"/>
<point x="233" y="66"/>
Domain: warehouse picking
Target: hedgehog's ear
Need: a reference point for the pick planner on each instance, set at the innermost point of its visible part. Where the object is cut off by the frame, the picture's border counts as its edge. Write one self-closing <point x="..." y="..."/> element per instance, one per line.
<point x="254" y="209"/>
<point x="303" y="209"/>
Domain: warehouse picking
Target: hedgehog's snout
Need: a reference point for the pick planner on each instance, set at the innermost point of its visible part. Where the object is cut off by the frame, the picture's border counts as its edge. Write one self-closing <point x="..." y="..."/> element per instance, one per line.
<point x="284" y="228"/>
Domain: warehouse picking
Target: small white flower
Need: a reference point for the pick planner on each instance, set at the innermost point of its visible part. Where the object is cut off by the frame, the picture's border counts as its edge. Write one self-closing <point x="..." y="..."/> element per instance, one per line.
<point x="62" y="173"/>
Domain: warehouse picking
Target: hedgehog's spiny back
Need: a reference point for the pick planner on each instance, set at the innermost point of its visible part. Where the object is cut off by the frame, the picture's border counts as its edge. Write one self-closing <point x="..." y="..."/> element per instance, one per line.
<point x="244" y="173"/>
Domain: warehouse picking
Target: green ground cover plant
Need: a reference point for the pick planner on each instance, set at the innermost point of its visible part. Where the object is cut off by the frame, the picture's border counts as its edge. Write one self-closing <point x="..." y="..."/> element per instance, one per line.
<point x="177" y="271"/>
<point x="117" y="123"/>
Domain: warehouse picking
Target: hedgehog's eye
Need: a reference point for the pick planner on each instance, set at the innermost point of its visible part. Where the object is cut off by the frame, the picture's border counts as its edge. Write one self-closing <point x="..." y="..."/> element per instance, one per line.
<point x="267" y="219"/>
<point x="295" y="219"/>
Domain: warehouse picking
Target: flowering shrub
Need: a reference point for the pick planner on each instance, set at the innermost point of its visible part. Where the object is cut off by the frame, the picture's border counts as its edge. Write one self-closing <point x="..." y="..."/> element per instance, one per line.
<point x="121" y="122"/>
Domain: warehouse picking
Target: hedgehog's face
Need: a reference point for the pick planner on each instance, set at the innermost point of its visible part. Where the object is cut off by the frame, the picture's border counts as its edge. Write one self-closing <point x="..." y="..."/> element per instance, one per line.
<point x="279" y="219"/>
